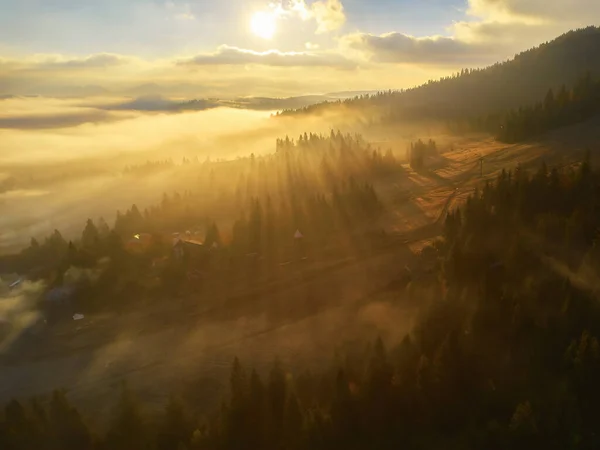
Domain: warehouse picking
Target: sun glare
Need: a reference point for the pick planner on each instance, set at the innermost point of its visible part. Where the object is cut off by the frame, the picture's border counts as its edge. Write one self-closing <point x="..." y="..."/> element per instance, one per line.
<point x="263" y="25"/>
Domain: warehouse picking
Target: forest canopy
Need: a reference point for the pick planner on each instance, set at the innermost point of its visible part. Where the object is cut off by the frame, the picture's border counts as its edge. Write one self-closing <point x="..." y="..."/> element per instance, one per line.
<point x="442" y="386"/>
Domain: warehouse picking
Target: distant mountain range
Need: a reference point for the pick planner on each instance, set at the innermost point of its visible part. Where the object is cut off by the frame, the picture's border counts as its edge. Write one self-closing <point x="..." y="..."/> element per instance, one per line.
<point x="352" y="94"/>
<point x="156" y="103"/>
<point x="149" y="97"/>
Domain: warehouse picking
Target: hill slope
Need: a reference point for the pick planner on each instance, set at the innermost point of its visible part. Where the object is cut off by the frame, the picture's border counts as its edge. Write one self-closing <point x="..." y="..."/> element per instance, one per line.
<point x="520" y="81"/>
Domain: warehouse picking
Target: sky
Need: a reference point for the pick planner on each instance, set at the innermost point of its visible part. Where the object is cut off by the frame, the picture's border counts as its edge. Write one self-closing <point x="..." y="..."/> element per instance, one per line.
<point x="199" y="48"/>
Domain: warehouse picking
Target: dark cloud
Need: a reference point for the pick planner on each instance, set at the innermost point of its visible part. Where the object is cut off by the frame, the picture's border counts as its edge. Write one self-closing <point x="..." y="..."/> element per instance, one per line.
<point x="40" y="122"/>
<point x="16" y="86"/>
<point x="226" y="55"/>
<point x="402" y="48"/>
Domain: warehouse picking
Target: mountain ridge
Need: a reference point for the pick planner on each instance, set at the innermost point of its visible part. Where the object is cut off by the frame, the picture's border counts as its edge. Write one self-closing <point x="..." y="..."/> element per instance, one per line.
<point x="504" y="85"/>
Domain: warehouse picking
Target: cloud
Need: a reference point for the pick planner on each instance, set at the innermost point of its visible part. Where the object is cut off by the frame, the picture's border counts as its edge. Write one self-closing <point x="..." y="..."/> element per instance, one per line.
<point x="510" y="26"/>
<point x="17" y="310"/>
<point x="495" y="30"/>
<point x="60" y="75"/>
<point x="145" y="103"/>
<point x="180" y="12"/>
<point x="329" y="15"/>
<point x="185" y="16"/>
<point x="59" y="63"/>
<point x="299" y="8"/>
<point x="402" y="48"/>
<point x="53" y="121"/>
<point x="99" y="60"/>
<point x="536" y="11"/>
<point x="526" y="21"/>
<point x="505" y="37"/>
<point x="226" y="55"/>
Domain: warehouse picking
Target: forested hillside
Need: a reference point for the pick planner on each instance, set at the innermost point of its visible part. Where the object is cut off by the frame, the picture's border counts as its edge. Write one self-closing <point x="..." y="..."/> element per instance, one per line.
<point x="244" y="216"/>
<point x="558" y="109"/>
<point x="521" y="81"/>
<point x="506" y="354"/>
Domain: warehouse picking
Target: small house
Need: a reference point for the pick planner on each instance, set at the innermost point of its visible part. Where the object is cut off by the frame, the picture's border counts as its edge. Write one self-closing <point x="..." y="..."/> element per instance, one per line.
<point x="139" y="243"/>
<point x="190" y="251"/>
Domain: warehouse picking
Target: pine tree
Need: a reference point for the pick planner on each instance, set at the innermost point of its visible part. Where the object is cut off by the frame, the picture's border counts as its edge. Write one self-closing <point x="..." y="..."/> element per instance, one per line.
<point x="90" y="237"/>
<point x="293" y="424"/>
<point x="66" y="424"/>
<point x="213" y="236"/>
<point x="127" y="431"/>
<point x="19" y="432"/>
<point x="135" y="221"/>
<point x="258" y="416"/>
<point x="238" y="382"/>
<point x="176" y="428"/>
<point x="255" y="226"/>
<point x="277" y="395"/>
<point x="343" y="413"/>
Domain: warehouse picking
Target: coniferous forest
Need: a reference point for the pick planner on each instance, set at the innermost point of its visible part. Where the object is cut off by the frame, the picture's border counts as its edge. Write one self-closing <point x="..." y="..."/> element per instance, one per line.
<point x="558" y="109"/>
<point x="319" y="186"/>
<point x="505" y="354"/>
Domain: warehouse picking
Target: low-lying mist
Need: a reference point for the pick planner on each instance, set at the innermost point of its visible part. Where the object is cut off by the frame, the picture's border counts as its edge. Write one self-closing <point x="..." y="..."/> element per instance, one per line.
<point x="18" y="311"/>
<point x="62" y="162"/>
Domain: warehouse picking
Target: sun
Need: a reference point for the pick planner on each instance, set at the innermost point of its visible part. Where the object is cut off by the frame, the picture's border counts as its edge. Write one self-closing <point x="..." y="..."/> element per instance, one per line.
<point x="263" y="25"/>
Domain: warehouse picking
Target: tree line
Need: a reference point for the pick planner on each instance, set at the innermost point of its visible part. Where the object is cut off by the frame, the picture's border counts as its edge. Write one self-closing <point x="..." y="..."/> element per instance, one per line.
<point x="418" y="151"/>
